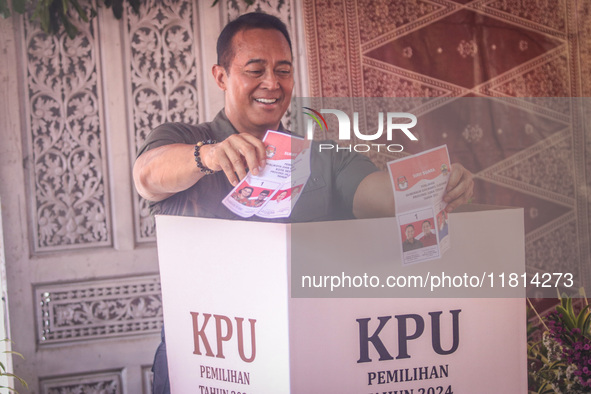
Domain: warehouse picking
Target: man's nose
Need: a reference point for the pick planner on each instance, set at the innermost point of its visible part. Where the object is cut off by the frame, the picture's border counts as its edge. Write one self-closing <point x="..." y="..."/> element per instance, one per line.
<point x="270" y="81"/>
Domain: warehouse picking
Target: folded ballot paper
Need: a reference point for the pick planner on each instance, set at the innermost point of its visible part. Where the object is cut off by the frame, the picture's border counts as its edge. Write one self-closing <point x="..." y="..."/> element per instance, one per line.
<point x="419" y="183"/>
<point x="274" y="191"/>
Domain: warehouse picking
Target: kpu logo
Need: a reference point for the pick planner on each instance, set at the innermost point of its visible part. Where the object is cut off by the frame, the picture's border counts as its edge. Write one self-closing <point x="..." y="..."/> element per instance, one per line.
<point x="400" y="329"/>
<point x="224" y="330"/>
<point x="346" y="130"/>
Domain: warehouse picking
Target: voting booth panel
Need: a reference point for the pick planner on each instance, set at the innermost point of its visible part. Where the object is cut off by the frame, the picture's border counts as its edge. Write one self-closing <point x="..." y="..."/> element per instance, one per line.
<point x="239" y="319"/>
<point x="484" y="355"/>
<point x="215" y="280"/>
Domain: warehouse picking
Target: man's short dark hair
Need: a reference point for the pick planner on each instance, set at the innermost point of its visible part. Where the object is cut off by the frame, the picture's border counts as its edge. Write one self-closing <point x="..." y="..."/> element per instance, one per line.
<point x="253" y="20"/>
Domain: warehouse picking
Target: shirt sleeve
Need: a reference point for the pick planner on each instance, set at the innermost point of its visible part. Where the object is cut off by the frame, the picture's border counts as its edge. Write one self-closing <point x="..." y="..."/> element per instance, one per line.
<point x="351" y="168"/>
<point x="330" y="190"/>
<point x="172" y="133"/>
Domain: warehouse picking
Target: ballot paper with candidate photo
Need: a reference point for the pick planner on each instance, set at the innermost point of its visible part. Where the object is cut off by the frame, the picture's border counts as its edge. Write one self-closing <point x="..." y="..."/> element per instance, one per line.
<point x="282" y="202"/>
<point x="275" y="190"/>
<point x="419" y="183"/>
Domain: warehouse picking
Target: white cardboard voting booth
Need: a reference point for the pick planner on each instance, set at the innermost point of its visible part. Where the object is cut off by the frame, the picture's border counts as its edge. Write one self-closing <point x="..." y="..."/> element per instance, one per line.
<point x="235" y="323"/>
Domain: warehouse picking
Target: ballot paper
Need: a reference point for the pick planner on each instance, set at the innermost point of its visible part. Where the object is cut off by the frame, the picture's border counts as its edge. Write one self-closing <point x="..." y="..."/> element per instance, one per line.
<point x="275" y="190"/>
<point x="419" y="182"/>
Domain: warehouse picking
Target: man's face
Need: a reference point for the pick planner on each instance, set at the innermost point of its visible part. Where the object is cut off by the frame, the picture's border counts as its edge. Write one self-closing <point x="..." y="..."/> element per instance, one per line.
<point x="259" y="81"/>
<point x="426" y="228"/>
<point x="262" y="196"/>
<point x="410" y="233"/>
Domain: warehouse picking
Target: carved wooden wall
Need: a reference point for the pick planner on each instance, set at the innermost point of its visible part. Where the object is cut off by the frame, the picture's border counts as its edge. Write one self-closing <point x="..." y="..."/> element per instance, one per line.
<point x="83" y="287"/>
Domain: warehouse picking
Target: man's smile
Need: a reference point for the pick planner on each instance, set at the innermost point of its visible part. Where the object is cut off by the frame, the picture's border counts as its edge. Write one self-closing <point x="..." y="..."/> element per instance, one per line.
<point x="266" y="101"/>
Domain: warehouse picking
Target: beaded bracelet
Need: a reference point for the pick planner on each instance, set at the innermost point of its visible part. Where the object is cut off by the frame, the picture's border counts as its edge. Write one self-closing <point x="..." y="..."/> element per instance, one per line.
<point x="200" y="165"/>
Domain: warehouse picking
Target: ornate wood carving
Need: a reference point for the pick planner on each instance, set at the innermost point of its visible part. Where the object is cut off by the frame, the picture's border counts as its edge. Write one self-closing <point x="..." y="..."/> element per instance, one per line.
<point x="70" y="202"/>
<point x="98" y="309"/>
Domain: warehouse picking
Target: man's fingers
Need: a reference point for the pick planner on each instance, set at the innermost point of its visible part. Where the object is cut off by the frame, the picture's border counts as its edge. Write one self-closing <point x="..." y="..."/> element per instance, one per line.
<point x="254" y="153"/>
<point x="460" y="187"/>
<point x="226" y="165"/>
<point x="235" y="155"/>
<point x="236" y="162"/>
<point x="249" y="153"/>
<point x="464" y="198"/>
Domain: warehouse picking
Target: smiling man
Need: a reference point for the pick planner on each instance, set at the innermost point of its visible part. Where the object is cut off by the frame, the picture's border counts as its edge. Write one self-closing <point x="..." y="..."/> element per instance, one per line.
<point x="410" y="243"/>
<point x="257" y="80"/>
<point x="188" y="169"/>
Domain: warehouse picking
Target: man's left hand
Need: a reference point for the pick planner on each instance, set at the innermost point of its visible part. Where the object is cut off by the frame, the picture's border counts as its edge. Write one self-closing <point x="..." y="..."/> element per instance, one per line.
<point x="460" y="187"/>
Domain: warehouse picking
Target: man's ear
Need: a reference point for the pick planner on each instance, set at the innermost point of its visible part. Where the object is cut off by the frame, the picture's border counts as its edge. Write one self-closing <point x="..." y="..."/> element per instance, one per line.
<point x="220" y="76"/>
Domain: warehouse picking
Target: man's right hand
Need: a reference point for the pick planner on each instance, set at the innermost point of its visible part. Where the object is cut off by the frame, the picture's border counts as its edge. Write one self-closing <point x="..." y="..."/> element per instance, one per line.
<point x="164" y="171"/>
<point x="235" y="156"/>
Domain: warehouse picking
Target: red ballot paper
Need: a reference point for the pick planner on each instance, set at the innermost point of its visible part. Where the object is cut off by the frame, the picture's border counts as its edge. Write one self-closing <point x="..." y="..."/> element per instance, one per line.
<point x="274" y="192"/>
<point x="419" y="183"/>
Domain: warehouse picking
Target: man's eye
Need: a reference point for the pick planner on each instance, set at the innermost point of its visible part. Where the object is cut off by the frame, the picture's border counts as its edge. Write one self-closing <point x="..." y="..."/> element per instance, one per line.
<point x="254" y="72"/>
<point x="284" y="73"/>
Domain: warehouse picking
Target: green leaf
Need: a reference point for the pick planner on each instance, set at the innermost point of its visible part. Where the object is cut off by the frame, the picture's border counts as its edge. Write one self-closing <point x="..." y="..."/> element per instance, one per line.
<point x="582" y="316"/>
<point x="41" y="13"/>
<point x="21" y="380"/>
<point x="3" y="370"/>
<point x="566" y="317"/>
<point x="46" y="21"/>
<point x="546" y="390"/>
<point x="81" y="12"/>
<point x="71" y="30"/>
<point x="586" y="325"/>
<point x="13" y="352"/>
<point x="569" y="305"/>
